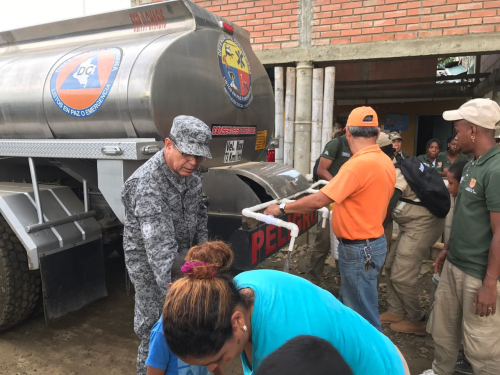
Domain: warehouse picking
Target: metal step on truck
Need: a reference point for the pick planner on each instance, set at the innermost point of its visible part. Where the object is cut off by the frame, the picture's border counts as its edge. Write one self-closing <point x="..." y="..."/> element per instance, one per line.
<point x="84" y="103"/>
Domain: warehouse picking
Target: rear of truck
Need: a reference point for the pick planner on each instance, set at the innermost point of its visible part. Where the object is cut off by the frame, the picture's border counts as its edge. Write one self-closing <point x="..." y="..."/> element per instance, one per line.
<point x="84" y="103"/>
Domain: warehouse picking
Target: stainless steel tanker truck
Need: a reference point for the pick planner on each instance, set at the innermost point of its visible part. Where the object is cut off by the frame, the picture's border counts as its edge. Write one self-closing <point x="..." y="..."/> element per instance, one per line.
<point x="85" y="102"/>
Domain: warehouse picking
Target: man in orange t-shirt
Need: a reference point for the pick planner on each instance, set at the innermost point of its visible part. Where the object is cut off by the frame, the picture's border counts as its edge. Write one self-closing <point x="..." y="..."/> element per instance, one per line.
<point x="361" y="191"/>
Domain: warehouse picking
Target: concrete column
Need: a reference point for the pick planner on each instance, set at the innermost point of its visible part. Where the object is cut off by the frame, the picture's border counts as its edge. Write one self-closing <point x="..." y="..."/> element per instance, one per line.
<point x="327" y="130"/>
<point x="278" y="118"/>
<point x="317" y="115"/>
<point x="303" y="112"/>
<point x="289" y="116"/>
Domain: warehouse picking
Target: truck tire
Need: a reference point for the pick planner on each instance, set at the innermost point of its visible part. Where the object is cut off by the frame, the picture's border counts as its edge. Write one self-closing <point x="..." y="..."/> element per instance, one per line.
<point x="19" y="287"/>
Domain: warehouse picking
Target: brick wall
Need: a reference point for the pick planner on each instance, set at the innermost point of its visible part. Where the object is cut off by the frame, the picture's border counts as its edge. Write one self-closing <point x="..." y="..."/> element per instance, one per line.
<point x="346" y="21"/>
<point x="274" y="24"/>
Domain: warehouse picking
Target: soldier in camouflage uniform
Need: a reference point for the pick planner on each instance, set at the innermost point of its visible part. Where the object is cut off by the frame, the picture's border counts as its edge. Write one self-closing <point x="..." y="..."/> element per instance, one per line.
<point x="164" y="216"/>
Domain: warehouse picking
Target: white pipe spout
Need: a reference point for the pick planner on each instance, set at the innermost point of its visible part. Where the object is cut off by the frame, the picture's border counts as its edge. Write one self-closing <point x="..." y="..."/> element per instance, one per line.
<point x="293" y="228"/>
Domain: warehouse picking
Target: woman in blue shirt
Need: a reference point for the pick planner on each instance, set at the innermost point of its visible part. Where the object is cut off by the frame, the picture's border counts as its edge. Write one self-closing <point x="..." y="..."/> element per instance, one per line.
<point x="209" y="319"/>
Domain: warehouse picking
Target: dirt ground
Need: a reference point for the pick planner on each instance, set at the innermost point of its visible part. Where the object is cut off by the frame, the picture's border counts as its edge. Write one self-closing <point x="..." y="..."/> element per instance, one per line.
<point x="99" y="339"/>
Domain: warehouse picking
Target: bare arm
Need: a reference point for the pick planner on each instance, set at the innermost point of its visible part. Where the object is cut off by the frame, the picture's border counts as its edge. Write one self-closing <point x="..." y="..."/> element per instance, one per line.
<point x="304" y="205"/>
<point x="439" y="262"/>
<point x="324" y="165"/>
<point x="154" y="371"/>
<point x="486" y="296"/>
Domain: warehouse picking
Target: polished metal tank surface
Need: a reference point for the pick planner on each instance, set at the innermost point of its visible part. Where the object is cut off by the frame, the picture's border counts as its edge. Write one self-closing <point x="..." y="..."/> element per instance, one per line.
<point x="127" y="74"/>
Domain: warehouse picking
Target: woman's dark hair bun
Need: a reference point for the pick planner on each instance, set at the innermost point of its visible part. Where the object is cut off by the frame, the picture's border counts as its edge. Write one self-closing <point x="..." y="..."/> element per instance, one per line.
<point x="213" y="257"/>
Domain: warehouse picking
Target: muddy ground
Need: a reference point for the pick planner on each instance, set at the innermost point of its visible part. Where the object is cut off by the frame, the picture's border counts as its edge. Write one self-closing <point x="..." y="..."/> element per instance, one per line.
<point x="99" y="339"/>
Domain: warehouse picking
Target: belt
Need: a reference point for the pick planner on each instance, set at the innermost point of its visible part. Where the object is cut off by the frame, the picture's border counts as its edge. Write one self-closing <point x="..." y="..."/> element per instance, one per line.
<point x="357" y="242"/>
<point x="416" y="202"/>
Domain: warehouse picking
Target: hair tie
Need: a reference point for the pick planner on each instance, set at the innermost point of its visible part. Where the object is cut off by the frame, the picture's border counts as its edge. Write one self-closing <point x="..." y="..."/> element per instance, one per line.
<point x="188" y="267"/>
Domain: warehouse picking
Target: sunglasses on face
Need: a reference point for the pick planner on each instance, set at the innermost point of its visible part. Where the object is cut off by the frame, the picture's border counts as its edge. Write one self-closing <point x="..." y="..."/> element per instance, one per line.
<point x="199" y="159"/>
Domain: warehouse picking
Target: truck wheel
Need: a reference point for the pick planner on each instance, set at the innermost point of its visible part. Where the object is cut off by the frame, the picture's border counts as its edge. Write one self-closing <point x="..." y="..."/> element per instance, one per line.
<point x="19" y="287"/>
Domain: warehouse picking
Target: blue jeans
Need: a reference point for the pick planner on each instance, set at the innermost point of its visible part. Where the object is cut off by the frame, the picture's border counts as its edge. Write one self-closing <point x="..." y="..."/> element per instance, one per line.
<point x="358" y="288"/>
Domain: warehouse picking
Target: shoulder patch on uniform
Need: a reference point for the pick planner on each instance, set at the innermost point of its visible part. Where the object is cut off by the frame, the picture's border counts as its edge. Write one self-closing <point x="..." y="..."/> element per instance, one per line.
<point x="147" y="230"/>
<point x="326" y="153"/>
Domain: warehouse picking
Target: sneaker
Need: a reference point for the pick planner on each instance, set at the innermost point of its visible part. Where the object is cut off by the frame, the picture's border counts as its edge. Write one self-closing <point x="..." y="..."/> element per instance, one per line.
<point x="387" y="317"/>
<point x="416" y="328"/>
<point x="463" y="366"/>
<point x="428" y="372"/>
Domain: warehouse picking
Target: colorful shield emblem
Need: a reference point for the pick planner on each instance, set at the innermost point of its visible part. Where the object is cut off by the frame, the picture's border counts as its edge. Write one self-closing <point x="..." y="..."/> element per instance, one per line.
<point x="81" y="84"/>
<point x="235" y="70"/>
<point x="472" y="183"/>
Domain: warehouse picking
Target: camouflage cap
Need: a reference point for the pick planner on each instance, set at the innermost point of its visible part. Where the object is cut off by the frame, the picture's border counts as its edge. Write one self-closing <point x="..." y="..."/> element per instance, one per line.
<point x="191" y="136"/>
<point x="395" y="135"/>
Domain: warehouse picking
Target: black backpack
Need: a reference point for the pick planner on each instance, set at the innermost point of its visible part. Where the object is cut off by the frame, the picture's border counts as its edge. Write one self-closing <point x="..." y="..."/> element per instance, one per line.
<point x="427" y="184"/>
<point x="340" y="148"/>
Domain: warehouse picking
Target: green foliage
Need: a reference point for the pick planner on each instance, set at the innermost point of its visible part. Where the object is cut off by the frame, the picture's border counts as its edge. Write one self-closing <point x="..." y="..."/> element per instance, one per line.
<point x="443" y="61"/>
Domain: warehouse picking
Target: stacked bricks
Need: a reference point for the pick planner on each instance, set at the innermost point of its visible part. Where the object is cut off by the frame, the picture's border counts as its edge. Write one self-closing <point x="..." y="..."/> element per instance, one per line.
<point x="346" y="21"/>
<point x="272" y="24"/>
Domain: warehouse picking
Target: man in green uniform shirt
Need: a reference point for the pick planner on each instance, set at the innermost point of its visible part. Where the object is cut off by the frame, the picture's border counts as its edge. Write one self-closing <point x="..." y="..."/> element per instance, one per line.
<point x="335" y="154"/>
<point x="332" y="158"/>
<point x="469" y="292"/>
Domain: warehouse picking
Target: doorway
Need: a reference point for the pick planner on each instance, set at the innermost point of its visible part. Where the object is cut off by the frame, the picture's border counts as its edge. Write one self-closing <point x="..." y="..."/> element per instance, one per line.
<point x="432" y="126"/>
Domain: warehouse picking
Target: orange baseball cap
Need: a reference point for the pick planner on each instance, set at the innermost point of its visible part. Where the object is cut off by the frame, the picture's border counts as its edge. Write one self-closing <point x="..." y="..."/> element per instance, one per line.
<point x="363" y="116"/>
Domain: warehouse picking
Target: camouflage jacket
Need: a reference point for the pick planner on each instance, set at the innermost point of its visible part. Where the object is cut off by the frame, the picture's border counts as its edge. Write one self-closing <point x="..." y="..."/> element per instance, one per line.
<point x="164" y="216"/>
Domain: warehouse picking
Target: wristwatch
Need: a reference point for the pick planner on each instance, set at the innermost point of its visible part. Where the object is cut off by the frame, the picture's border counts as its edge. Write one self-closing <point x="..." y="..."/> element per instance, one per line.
<point x="282" y="208"/>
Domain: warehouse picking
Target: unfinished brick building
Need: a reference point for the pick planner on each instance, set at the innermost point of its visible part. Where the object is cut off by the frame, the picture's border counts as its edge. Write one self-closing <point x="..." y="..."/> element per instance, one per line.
<point x="385" y="52"/>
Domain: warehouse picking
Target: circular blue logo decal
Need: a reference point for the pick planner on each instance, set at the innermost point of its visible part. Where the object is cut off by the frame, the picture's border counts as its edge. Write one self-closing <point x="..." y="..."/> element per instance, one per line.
<point x="80" y="85"/>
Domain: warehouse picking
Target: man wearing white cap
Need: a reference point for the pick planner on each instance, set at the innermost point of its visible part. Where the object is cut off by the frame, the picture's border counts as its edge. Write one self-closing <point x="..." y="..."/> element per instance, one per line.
<point x="469" y="291"/>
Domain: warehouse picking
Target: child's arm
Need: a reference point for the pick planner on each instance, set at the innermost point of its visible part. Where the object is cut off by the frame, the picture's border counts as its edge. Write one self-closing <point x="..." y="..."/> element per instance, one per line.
<point x="154" y="371"/>
<point x="218" y="371"/>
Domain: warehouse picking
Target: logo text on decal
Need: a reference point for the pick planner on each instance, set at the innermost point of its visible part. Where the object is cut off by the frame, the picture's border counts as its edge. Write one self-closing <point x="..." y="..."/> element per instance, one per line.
<point x="80" y="85"/>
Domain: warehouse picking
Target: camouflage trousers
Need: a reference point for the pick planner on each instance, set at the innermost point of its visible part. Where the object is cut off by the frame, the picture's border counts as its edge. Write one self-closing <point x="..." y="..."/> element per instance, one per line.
<point x="148" y="307"/>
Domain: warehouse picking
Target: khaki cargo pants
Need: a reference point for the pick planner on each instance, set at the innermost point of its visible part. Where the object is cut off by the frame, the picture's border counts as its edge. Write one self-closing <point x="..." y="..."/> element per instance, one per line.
<point x="453" y="316"/>
<point x="326" y="243"/>
<point x="418" y="231"/>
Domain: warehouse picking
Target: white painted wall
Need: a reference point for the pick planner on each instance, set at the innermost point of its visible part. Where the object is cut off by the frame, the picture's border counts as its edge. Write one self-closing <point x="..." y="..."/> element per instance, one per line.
<point x="15" y="14"/>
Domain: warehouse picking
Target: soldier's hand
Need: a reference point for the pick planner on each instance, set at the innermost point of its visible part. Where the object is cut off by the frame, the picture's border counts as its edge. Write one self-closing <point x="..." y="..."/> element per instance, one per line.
<point x="439" y="262"/>
<point x="273" y="209"/>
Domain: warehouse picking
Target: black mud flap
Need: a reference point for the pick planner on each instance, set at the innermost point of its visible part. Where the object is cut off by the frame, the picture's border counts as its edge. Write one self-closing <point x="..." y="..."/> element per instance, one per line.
<point x="71" y="279"/>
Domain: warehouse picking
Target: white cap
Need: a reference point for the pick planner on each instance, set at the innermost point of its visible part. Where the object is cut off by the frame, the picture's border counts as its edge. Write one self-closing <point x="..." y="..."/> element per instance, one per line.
<point x="481" y="112"/>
